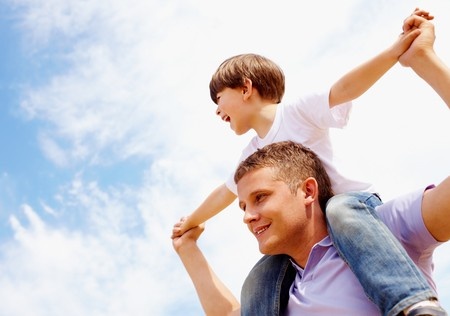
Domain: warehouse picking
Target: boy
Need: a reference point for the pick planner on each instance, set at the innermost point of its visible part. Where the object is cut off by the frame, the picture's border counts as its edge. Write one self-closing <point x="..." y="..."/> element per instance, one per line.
<point x="248" y="90"/>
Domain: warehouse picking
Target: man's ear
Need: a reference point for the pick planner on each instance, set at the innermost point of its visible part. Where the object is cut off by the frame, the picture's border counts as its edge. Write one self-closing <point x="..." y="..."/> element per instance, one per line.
<point x="247" y="88"/>
<point x="310" y="189"/>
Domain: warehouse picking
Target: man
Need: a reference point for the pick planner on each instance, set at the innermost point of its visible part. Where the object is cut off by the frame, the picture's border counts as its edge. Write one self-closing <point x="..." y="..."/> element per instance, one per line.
<point x="281" y="190"/>
<point x="283" y="200"/>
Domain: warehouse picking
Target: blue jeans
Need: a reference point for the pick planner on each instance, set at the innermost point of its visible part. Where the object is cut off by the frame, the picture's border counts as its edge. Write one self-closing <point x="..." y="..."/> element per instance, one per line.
<point x="266" y="289"/>
<point x="386" y="272"/>
<point x="389" y="277"/>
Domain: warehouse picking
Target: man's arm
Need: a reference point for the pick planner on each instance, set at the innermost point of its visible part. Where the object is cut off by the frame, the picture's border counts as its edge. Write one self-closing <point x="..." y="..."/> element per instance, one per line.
<point x="215" y="297"/>
<point x="353" y="84"/>
<point x="422" y="58"/>
<point x="436" y="210"/>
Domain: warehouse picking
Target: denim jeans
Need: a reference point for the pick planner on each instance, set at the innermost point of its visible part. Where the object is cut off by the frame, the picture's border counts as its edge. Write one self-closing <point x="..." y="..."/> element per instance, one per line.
<point x="386" y="272"/>
<point x="266" y="289"/>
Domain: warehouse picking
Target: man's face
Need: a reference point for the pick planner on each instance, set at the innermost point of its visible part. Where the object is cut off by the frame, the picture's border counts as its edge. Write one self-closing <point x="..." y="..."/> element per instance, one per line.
<point x="277" y="218"/>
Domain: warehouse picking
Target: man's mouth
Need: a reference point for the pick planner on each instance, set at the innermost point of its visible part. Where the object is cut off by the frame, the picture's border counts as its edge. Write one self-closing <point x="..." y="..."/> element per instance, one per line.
<point x="260" y="230"/>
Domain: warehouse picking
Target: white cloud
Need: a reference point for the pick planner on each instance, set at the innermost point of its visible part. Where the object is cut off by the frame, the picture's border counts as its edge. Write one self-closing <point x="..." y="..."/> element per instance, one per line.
<point x="105" y="268"/>
<point x="53" y="151"/>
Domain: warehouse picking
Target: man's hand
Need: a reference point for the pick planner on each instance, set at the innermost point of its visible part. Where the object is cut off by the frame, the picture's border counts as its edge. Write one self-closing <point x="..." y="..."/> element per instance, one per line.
<point x="418" y="21"/>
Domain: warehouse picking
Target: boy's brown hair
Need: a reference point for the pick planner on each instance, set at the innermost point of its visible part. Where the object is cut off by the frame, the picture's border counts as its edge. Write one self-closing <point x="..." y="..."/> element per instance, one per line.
<point x="266" y="76"/>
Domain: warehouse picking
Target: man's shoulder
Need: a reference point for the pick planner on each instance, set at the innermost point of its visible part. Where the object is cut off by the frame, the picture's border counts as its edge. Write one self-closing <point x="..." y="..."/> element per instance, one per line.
<point x="401" y="210"/>
<point x="403" y="216"/>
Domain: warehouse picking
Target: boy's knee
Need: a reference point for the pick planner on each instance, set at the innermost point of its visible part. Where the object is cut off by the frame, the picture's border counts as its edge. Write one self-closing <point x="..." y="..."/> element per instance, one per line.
<point x="335" y="209"/>
<point x="344" y="210"/>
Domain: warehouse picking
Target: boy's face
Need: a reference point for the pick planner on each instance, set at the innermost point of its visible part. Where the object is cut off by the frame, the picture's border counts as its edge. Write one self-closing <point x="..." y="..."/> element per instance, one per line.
<point x="232" y="107"/>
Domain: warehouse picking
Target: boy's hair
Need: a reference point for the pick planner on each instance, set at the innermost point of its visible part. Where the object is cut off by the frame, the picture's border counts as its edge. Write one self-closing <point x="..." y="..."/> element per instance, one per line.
<point x="266" y="76"/>
<point x="292" y="163"/>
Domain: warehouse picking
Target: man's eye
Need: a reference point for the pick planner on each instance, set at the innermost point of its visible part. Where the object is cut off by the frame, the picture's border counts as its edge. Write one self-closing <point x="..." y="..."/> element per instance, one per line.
<point x="260" y="197"/>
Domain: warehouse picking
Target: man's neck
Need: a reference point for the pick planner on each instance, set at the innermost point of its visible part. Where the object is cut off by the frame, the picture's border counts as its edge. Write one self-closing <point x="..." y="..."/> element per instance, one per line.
<point x="307" y="244"/>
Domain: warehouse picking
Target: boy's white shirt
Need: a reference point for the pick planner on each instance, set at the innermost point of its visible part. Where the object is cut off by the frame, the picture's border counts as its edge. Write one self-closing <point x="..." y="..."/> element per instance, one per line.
<point x="308" y="121"/>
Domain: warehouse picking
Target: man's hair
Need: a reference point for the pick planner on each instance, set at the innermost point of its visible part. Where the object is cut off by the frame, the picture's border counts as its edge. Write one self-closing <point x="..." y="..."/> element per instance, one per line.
<point x="266" y="76"/>
<point x="292" y="163"/>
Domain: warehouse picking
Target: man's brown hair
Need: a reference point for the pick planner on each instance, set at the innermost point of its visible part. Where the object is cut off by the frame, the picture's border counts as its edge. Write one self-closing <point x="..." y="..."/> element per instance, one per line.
<point x="292" y="163"/>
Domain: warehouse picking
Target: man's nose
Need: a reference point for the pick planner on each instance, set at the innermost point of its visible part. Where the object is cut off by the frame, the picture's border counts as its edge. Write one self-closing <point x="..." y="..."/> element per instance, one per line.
<point x="250" y="216"/>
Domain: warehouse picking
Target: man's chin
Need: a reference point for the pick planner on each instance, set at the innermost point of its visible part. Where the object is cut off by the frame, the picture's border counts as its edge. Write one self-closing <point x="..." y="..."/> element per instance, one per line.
<point x="267" y="250"/>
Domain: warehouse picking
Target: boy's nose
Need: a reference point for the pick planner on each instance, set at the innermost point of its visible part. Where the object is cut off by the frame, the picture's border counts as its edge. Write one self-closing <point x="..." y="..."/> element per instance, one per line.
<point x="218" y="111"/>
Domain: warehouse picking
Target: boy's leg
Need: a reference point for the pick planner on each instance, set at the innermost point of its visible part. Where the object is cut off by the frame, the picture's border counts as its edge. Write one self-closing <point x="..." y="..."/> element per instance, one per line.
<point x="388" y="275"/>
<point x="266" y="288"/>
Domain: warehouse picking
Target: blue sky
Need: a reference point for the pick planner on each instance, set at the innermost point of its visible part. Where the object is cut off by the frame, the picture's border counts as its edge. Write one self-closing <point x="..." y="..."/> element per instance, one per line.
<point x="108" y="136"/>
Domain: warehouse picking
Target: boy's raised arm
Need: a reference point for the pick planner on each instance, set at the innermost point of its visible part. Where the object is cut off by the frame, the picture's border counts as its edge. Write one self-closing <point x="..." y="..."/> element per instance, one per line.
<point x="353" y="84"/>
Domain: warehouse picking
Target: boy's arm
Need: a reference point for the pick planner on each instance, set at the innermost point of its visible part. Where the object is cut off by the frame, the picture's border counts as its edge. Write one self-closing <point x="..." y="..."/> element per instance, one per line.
<point x="215" y="297"/>
<point x="217" y="201"/>
<point x="360" y="79"/>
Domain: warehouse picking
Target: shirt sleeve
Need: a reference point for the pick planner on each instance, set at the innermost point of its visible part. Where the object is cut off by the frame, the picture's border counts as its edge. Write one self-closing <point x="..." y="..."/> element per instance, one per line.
<point x="403" y="216"/>
<point x="315" y="110"/>
<point x="231" y="185"/>
<point x="247" y="151"/>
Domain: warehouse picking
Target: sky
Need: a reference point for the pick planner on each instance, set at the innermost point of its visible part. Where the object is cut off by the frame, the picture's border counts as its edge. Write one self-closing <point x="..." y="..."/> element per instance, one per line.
<point x="108" y="136"/>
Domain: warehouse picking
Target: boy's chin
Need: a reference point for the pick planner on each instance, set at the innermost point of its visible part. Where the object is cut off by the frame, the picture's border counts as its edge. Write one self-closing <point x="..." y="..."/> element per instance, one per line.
<point x="239" y="132"/>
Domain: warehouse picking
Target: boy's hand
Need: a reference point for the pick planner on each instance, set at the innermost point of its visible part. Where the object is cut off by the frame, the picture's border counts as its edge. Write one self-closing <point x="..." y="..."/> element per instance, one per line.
<point x="189" y="237"/>
<point x="180" y="227"/>
<point x="418" y="22"/>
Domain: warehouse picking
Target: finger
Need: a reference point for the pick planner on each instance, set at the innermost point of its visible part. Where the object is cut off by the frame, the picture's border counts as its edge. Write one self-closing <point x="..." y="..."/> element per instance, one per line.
<point x="410" y="36"/>
<point x="423" y="14"/>
<point x="412" y="22"/>
<point x="175" y="234"/>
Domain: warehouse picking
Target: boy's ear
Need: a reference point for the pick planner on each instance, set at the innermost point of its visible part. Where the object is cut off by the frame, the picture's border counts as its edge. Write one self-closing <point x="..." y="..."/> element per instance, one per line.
<point x="310" y="189"/>
<point x="247" y="88"/>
